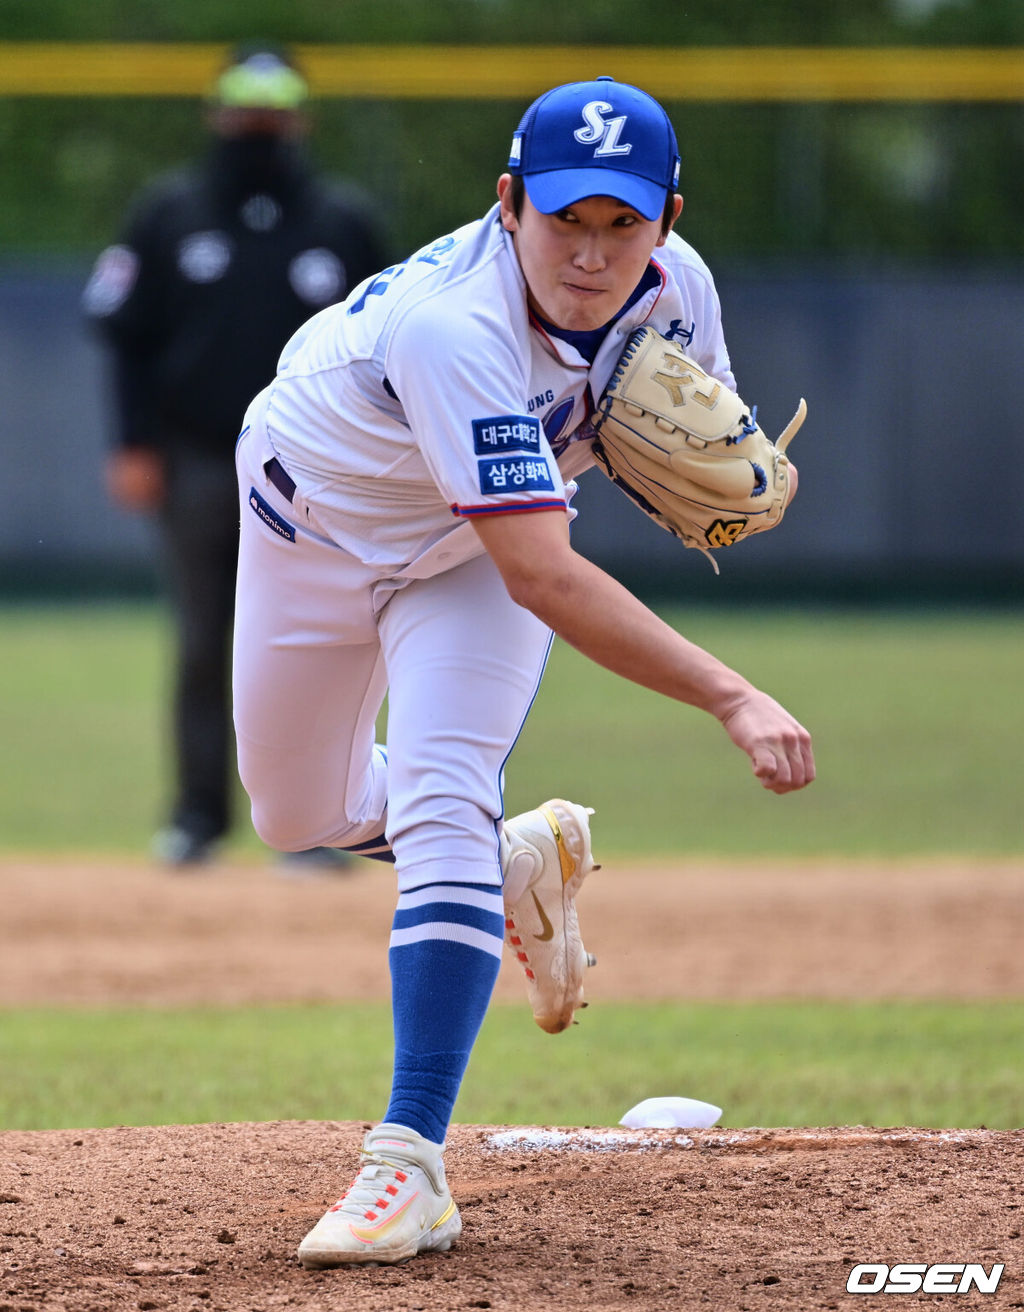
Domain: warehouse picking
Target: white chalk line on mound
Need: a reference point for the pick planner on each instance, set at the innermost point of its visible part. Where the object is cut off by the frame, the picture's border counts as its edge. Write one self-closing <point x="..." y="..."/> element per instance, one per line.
<point x="536" y="1139"/>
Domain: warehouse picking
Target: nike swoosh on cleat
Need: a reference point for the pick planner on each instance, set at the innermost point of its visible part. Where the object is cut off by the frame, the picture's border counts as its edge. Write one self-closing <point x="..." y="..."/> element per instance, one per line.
<point x="546" y="925"/>
<point x="370" y="1234"/>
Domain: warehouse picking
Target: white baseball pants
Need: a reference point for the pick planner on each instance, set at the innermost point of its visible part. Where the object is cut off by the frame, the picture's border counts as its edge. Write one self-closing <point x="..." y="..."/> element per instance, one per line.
<point x="318" y="643"/>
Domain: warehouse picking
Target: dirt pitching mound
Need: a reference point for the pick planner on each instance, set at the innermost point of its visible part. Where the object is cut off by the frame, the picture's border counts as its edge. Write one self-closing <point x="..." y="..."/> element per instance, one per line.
<point x="184" y="1218"/>
<point x="208" y="1217"/>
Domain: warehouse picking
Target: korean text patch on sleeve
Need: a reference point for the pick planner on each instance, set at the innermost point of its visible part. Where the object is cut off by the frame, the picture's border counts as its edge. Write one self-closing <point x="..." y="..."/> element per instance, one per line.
<point x="515" y="474"/>
<point x="506" y="433"/>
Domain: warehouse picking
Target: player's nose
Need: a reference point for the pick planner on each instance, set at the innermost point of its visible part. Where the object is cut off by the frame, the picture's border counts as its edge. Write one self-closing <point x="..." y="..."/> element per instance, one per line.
<point x="589" y="252"/>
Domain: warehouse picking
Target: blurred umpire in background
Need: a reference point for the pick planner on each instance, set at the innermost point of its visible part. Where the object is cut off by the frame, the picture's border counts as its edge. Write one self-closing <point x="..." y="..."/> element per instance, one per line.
<point x="217" y="265"/>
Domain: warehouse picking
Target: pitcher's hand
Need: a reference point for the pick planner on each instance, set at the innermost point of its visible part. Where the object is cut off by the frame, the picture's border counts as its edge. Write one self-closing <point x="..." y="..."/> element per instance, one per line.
<point x="779" y="747"/>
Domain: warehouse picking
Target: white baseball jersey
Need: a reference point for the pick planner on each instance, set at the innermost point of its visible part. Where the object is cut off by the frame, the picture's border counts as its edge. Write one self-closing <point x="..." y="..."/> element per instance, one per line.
<point x="431" y="396"/>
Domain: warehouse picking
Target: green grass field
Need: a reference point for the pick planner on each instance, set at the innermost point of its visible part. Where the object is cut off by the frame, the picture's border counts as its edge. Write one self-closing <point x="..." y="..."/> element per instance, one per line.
<point x="917" y="720"/>
<point x="922" y="1064"/>
<point x="918" y="725"/>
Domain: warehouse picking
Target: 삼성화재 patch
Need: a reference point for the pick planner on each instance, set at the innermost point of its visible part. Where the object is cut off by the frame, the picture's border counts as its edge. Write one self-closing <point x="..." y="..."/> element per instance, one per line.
<point x="515" y="474"/>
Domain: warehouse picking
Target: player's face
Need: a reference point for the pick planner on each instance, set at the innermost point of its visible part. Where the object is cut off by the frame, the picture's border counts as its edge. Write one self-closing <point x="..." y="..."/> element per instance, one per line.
<point x="580" y="263"/>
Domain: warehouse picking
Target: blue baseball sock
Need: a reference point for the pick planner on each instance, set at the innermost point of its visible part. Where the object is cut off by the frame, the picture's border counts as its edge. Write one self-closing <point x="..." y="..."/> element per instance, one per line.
<point x="446" y="944"/>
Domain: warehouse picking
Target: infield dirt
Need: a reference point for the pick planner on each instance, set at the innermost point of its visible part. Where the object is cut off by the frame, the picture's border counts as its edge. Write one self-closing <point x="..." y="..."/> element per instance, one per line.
<point x="185" y="1218"/>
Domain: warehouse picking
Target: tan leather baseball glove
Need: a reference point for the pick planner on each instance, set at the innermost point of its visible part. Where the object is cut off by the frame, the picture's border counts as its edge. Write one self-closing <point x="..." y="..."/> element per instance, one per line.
<point x="687" y="450"/>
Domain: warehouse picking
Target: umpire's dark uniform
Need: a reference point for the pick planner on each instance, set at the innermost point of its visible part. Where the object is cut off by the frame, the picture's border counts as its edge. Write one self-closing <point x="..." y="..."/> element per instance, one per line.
<point x="218" y="265"/>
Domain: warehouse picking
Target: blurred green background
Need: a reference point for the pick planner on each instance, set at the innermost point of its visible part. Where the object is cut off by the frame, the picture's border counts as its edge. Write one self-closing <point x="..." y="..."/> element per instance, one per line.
<point x="763" y="181"/>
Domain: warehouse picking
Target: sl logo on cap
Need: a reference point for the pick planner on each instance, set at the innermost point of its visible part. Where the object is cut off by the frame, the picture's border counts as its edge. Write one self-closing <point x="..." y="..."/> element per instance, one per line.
<point x="605" y="132"/>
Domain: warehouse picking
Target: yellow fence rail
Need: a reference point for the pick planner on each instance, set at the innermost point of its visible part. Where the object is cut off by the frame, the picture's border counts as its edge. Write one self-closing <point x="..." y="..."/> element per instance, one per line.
<point x="749" y="73"/>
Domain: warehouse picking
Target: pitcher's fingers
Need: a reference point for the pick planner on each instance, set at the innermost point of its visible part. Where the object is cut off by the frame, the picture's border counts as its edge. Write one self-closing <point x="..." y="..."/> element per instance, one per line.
<point x="810" y="769"/>
<point x="770" y="768"/>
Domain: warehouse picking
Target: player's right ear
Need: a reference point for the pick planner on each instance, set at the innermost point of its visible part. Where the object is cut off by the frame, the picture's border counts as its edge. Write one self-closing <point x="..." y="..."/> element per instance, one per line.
<point x="508" y="215"/>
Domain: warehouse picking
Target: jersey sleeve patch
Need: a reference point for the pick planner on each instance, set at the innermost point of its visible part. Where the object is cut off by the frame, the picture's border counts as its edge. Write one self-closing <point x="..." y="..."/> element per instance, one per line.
<point x="502" y="474"/>
<point x="509" y="455"/>
<point x="506" y="433"/>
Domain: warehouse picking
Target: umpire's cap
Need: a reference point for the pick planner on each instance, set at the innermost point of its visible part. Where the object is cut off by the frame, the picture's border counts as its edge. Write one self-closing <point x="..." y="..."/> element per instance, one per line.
<point x="600" y="138"/>
<point x="260" y="76"/>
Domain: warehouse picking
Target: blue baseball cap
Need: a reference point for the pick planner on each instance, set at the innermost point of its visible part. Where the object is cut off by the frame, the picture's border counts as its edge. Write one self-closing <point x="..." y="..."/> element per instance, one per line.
<point x="600" y="138"/>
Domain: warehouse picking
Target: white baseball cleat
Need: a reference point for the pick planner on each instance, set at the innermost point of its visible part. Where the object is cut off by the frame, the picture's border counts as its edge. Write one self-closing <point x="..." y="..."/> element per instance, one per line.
<point x="397" y="1206"/>
<point x="545" y="857"/>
